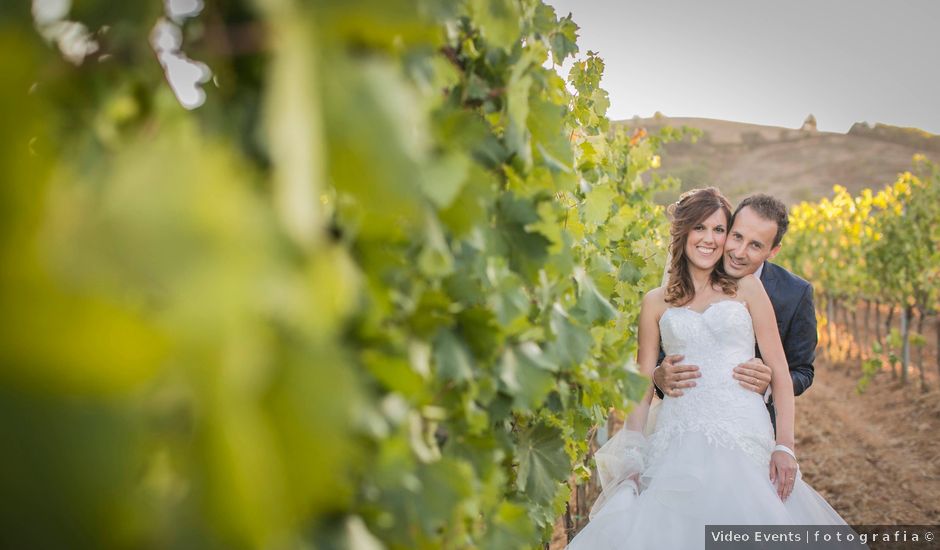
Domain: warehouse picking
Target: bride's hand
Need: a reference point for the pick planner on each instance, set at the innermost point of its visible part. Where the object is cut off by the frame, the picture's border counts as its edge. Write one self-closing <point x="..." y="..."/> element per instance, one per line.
<point x="783" y="471"/>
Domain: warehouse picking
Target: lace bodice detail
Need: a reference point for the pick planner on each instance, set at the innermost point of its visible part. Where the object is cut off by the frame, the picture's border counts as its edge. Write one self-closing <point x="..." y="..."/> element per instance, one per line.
<point x="717" y="340"/>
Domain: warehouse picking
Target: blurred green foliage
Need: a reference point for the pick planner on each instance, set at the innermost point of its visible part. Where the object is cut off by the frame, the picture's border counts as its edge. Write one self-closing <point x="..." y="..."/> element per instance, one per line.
<point x="374" y="293"/>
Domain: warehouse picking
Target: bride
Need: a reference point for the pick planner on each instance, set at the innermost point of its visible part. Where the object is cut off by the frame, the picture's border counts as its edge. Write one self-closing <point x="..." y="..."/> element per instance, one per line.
<point x="712" y="457"/>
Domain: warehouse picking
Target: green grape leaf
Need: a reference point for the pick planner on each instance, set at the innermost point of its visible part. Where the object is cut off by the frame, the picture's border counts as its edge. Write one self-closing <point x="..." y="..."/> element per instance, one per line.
<point x="618" y="223"/>
<point x="629" y="272"/>
<point x="373" y="147"/>
<point x="527" y="250"/>
<point x="452" y="359"/>
<point x="564" y="40"/>
<point x="469" y="209"/>
<point x="543" y="462"/>
<point x="498" y="21"/>
<point x="601" y="102"/>
<point x="480" y="331"/>
<point x="445" y="178"/>
<point x="477" y="88"/>
<point x="394" y="373"/>
<point x="526" y="375"/>
<point x="511" y="527"/>
<point x="435" y="259"/>
<point x="431" y="313"/>
<point x="549" y="136"/>
<point x="572" y="342"/>
<point x="592" y="306"/>
<point x="545" y="20"/>
<point x="508" y="300"/>
<point x="517" y="111"/>
<point x="444" y="486"/>
<point x="597" y="205"/>
<point x="548" y="225"/>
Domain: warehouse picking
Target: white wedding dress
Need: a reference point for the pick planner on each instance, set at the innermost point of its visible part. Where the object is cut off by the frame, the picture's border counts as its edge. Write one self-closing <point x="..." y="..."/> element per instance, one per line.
<point x="707" y="461"/>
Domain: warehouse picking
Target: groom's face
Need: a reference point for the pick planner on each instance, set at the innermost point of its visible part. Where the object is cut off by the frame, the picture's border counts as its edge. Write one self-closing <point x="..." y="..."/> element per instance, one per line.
<point x="750" y="243"/>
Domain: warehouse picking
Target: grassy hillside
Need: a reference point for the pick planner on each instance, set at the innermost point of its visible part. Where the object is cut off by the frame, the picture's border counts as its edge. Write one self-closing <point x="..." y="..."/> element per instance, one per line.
<point x="791" y="164"/>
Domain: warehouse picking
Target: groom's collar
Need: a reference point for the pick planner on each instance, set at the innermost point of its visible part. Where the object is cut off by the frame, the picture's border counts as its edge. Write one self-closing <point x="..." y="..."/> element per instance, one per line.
<point x="760" y="270"/>
<point x="766" y="274"/>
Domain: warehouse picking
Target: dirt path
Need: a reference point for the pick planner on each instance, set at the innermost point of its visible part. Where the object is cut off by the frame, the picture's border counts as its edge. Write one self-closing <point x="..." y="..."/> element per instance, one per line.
<point x="875" y="456"/>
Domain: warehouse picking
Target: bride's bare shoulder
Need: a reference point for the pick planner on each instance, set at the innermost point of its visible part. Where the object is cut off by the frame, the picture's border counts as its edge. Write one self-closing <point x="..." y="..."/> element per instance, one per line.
<point x="655" y="301"/>
<point x="749" y="285"/>
<point x="751" y="290"/>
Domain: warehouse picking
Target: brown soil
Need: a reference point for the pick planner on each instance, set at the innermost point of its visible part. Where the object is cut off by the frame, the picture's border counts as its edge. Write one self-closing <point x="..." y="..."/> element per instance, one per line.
<point x="876" y="456"/>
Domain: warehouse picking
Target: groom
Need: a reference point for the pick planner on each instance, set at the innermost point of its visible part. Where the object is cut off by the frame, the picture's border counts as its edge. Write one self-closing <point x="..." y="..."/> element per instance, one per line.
<point x="757" y="227"/>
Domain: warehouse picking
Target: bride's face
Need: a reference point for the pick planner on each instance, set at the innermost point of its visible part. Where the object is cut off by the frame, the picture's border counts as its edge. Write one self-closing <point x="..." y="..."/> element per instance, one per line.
<point x="706" y="241"/>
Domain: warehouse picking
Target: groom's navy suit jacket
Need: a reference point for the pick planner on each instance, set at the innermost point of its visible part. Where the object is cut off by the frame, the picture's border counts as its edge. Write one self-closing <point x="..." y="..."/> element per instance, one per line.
<point x="792" y="298"/>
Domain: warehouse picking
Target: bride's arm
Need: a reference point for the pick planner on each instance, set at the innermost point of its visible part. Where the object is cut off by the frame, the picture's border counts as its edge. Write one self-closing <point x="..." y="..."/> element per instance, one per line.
<point x="647" y="353"/>
<point x="783" y="465"/>
<point x="620" y="460"/>
<point x="771" y="349"/>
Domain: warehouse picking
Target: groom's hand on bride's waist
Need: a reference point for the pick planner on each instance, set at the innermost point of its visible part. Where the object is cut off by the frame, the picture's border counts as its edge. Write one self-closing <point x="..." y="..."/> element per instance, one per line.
<point x="671" y="376"/>
<point x="753" y="375"/>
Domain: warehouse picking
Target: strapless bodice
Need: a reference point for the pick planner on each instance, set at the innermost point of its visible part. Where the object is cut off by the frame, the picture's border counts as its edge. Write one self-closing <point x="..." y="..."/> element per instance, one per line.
<point x="716" y="340"/>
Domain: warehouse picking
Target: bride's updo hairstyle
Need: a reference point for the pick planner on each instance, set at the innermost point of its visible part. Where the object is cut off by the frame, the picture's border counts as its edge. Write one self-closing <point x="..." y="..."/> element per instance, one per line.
<point x="693" y="208"/>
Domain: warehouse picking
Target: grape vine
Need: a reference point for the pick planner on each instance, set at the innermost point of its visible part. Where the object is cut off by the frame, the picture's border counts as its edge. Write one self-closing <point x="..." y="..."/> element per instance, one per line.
<point x="870" y="253"/>
<point x="374" y="293"/>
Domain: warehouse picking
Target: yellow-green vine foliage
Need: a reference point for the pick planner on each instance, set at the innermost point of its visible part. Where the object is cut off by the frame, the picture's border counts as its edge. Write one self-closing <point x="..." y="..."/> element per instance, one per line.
<point x="882" y="246"/>
<point x="373" y="293"/>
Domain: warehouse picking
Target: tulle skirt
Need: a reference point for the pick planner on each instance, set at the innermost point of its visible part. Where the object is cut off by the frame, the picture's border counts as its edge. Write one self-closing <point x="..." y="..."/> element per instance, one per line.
<point x="696" y="483"/>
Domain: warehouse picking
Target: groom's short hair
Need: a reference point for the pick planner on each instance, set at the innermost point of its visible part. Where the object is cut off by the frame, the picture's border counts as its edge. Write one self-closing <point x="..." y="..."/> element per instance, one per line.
<point x="768" y="208"/>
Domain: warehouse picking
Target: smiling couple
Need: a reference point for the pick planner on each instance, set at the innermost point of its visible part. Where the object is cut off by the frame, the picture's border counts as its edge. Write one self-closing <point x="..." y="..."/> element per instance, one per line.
<point x="728" y="341"/>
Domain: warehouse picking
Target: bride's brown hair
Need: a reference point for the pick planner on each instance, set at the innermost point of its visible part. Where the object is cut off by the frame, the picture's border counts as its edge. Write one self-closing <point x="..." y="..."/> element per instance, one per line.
<point x="692" y="208"/>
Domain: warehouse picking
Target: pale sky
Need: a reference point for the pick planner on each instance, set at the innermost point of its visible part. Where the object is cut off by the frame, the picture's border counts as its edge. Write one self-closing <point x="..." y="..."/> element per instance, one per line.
<point x="768" y="62"/>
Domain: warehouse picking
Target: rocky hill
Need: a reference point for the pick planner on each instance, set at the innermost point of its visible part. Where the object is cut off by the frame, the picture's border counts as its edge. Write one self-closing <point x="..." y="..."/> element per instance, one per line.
<point x="792" y="164"/>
